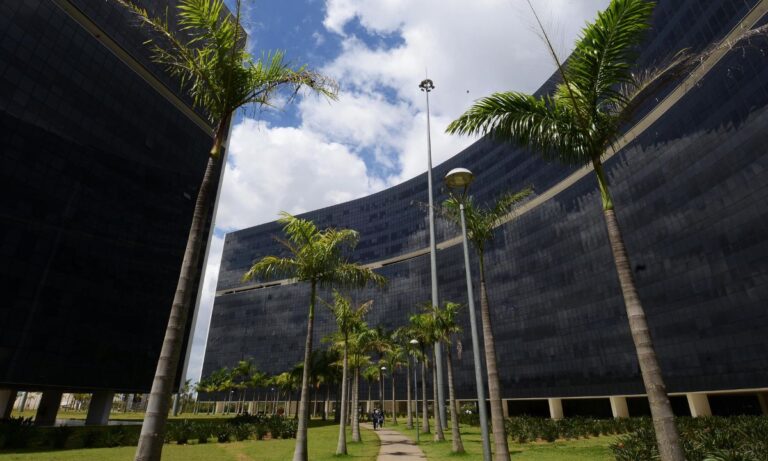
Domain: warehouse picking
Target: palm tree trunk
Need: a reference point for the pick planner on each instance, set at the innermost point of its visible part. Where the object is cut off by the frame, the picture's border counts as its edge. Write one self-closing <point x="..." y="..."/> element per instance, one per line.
<point x="409" y="406"/>
<point x="667" y="437"/>
<point x="327" y="400"/>
<point x="355" y="406"/>
<point x="457" y="446"/>
<point x="501" y="448"/>
<point x="341" y="446"/>
<point x="369" y="404"/>
<point x="314" y="402"/>
<point x="153" y="429"/>
<point x="394" y="401"/>
<point x="439" y="436"/>
<point x="424" y="404"/>
<point x="301" y="453"/>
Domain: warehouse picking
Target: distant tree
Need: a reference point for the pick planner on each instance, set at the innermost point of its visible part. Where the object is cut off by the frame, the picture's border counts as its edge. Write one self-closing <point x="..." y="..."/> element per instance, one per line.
<point x="208" y="55"/>
<point x="320" y="258"/>
<point x="420" y="326"/>
<point x="446" y="329"/>
<point x="394" y="358"/>
<point x="349" y="319"/>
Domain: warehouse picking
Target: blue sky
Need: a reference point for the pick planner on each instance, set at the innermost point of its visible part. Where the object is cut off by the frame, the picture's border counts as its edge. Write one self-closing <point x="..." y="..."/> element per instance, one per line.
<point x="312" y="153"/>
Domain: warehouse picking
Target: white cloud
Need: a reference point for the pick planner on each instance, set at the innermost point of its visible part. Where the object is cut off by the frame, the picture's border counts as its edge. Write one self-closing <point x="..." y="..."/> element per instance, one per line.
<point x="375" y="135"/>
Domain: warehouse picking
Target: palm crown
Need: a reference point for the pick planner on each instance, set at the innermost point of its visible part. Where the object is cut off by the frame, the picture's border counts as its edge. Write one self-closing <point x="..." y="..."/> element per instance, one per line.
<point x="580" y="121"/>
<point x="208" y="54"/>
<point x="482" y="221"/>
<point x="319" y="256"/>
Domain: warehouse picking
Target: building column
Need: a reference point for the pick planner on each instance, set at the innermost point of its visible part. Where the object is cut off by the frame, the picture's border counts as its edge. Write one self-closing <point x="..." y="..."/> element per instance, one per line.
<point x="48" y="408"/>
<point x="219" y="408"/>
<point x="505" y="407"/>
<point x="762" y="397"/>
<point x="128" y="403"/>
<point x="699" y="404"/>
<point x="98" y="410"/>
<point x="619" y="407"/>
<point x="7" y="399"/>
<point x="555" y="408"/>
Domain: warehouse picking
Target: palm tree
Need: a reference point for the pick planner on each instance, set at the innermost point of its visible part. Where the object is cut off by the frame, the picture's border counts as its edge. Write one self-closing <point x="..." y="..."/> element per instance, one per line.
<point x="257" y="380"/>
<point x="371" y="374"/>
<point x="446" y="329"/>
<point x="402" y="336"/>
<point x="367" y="340"/>
<point x="481" y="223"/>
<point x="241" y="375"/>
<point x="421" y="330"/>
<point x="208" y="56"/>
<point x="348" y="320"/>
<point x="320" y="258"/>
<point x="577" y="126"/>
<point x="394" y="359"/>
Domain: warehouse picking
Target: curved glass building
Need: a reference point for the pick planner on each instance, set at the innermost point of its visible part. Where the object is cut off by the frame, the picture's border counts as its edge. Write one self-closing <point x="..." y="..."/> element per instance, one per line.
<point x="690" y="183"/>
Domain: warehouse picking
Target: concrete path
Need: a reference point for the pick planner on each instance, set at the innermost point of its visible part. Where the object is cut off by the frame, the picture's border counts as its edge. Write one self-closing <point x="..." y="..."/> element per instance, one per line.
<point x="396" y="447"/>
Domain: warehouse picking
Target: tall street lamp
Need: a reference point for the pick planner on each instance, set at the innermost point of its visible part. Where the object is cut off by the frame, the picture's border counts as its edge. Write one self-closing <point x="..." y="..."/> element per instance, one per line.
<point x="415" y="342"/>
<point x="381" y="388"/>
<point x="459" y="179"/>
<point x="426" y="86"/>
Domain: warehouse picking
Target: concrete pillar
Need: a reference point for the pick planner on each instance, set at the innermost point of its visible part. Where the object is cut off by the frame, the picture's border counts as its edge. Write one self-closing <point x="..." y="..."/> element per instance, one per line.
<point x="251" y="408"/>
<point x="219" y="408"/>
<point x="23" y="403"/>
<point x="505" y="407"/>
<point x="129" y="402"/>
<point x="619" y="407"/>
<point x="98" y="410"/>
<point x="48" y="408"/>
<point x="762" y="397"/>
<point x="699" y="404"/>
<point x="555" y="408"/>
<point x="7" y="399"/>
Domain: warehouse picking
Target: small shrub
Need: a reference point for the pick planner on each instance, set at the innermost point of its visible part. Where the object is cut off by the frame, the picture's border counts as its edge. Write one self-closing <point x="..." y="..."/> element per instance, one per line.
<point x="242" y="431"/>
<point x="202" y="431"/>
<point x="16" y="432"/>
<point x="223" y="432"/>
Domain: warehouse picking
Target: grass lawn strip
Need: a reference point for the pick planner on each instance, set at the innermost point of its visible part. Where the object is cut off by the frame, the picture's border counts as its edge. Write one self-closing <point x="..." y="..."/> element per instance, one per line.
<point x="592" y="449"/>
<point x="322" y="446"/>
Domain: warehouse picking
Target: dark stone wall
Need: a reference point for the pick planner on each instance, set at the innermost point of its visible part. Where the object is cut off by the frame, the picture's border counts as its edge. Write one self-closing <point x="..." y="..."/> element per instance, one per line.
<point x="97" y="188"/>
<point x="690" y="194"/>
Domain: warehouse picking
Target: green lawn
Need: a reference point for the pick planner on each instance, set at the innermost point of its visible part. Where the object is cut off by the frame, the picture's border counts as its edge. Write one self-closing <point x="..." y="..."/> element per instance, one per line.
<point x="592" y="449"/>
<point x="322" y="445"/>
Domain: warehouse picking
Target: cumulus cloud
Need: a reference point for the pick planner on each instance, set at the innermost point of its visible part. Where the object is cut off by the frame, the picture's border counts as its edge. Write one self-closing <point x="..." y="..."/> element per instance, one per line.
<point x="375" y="135"/>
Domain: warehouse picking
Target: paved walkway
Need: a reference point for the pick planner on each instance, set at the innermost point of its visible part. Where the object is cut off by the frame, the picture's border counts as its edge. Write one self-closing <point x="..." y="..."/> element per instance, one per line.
<point x="396" y="447"/>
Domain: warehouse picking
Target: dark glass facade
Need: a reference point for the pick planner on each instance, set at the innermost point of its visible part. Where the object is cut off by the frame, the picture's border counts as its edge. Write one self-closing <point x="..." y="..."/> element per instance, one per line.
<point x="691" y="197"/>
<point x="99" y="177"/>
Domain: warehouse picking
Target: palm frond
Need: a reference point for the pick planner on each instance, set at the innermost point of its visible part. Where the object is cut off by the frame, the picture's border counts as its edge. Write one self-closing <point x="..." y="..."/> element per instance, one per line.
<point x="299" y="231"/>
<point x="272" y="267"/>
<point x="538" y="123"/>
<point x="605" y="50"/>
<point x="349" y="275"/>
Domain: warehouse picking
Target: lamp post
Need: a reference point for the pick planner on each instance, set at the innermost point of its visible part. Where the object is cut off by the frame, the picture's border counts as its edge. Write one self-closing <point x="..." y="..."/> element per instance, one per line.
<point x="382" y="369"/>
<point x="416" y="387"/>
<point x="426" y="86"/>
<point x="460" y="179"/>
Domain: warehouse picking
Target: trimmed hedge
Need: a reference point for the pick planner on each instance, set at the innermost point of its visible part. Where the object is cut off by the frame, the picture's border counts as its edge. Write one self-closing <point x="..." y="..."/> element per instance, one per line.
<point x="735" y="438"/>
<point x="529" y="429"/>
<point x="20" y="433"/>
<point x="17" y="433"/>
